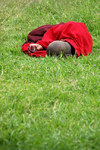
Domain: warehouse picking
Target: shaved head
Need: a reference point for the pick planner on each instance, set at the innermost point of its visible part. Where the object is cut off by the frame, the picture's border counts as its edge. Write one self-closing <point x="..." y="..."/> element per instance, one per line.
<point x="60" y="47"/>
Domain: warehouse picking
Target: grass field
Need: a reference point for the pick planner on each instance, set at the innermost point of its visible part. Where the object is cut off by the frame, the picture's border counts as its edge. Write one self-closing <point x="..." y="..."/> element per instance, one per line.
<point x="48" y="103"/>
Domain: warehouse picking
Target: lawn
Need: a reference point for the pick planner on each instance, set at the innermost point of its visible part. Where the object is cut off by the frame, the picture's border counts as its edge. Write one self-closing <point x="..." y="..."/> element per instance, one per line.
<point x="48" y="103"/>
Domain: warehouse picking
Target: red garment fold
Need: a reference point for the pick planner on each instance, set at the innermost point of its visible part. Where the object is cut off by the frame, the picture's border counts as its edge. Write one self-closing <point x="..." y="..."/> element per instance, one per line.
<point x="38" y="33"/>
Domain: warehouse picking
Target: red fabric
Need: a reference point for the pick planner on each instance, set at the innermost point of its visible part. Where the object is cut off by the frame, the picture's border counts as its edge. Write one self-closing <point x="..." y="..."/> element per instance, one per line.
<point x="37" y="34"/>
<point x="34" y="36"/>
<point x="75" y="33"/>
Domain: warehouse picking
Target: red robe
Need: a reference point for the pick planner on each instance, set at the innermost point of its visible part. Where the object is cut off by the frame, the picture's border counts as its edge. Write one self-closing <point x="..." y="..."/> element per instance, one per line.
<point x="75" y="33"/>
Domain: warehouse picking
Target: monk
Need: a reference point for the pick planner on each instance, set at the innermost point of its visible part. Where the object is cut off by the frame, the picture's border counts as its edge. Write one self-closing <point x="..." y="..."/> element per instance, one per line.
<point x="65" y="38"/>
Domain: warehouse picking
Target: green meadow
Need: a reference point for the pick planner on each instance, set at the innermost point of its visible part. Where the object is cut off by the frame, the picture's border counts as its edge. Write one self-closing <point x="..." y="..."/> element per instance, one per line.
<point x="48" y="103"/>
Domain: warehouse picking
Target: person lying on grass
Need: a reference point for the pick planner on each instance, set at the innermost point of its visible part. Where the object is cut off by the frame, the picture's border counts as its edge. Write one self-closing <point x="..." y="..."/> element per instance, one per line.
<point x="67" y="38"/>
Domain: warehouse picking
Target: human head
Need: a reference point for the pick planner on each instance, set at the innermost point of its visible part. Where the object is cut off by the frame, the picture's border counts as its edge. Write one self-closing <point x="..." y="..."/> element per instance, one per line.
<point x="60" y="47"/>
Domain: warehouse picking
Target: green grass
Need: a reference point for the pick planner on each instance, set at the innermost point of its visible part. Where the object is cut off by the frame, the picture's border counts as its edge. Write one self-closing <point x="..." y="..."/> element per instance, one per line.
<point x="48" y="103"/>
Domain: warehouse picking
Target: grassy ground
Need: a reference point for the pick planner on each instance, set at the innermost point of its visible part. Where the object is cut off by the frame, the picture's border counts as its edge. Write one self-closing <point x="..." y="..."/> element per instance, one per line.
<point x="48" y="103"/>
